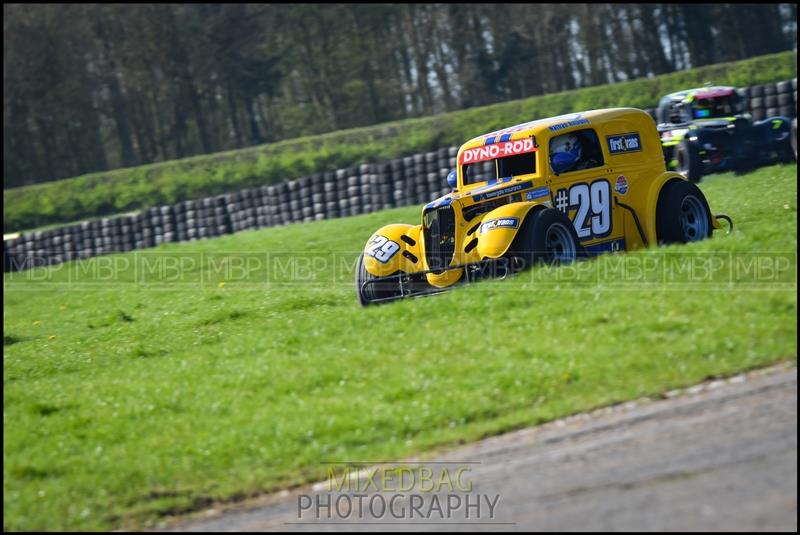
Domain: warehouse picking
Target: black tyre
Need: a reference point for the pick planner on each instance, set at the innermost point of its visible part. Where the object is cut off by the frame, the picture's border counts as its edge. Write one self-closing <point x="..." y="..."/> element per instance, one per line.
<point x="786" y="111"/>
<point x="376" y="291"/>
<point x="689" y="163"/>
<point x="785" y="99"/>
<point x="682" y="214"/>
<point x="546" y="236"/>
<point x="771" y="101"/>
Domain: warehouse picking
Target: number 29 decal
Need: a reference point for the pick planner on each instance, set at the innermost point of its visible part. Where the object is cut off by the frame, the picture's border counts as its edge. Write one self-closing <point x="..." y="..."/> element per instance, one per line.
<point x="592" y="203"/>
<point x="381" y="248"/>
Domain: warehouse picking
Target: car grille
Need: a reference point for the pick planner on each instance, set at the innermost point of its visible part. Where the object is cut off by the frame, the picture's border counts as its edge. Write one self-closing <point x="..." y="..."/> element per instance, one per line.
<point x="439" y="227"/>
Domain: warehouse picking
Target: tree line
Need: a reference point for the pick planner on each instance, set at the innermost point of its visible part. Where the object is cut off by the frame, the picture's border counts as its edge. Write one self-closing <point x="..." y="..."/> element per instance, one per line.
<point x="96" y="87"/>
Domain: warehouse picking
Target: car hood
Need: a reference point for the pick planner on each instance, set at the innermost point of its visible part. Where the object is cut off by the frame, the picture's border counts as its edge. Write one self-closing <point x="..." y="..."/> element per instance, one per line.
<point x="491" y="190"/>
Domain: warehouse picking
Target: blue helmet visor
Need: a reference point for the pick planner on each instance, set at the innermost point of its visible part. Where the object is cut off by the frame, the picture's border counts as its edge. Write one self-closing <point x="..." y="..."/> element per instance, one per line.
<point x="563" y="161"/>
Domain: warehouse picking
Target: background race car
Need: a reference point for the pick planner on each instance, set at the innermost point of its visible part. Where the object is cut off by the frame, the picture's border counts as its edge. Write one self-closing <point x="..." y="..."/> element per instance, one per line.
<point x="705" y="130"/>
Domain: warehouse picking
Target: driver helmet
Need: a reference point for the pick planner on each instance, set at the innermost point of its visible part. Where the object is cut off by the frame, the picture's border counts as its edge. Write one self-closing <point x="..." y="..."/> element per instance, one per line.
<point x="566" y="152"/>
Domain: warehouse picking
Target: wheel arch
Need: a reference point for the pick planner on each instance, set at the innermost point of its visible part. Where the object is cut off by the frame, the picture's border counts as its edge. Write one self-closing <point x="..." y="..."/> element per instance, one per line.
<point x="495" y="243"/>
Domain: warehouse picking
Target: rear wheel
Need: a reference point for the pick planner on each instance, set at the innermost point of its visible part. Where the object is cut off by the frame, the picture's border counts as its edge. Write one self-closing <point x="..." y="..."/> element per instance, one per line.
<point x="689" y="163"/>
<point x="682" y="214"/>
<point x="376" y="291"/>
<point x="546" y="236"/>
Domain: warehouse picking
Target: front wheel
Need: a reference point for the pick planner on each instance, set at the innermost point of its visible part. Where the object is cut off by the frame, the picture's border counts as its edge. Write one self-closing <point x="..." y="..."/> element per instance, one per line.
<point x="682" y="214"/>
<point x="546" y="236"/>
<point x="376" y="291"/>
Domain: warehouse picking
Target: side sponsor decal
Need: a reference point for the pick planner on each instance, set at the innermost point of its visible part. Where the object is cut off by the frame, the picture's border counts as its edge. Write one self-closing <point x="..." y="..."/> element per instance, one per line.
<point x="621" y="143"/>
<point x="575" y="121"/>
<point x="502" y="191"/>
<point x="621" y="186"/>
<point x="503" y="222"/>
<point x="537" y="193"/>
<point x="497" y="150"/>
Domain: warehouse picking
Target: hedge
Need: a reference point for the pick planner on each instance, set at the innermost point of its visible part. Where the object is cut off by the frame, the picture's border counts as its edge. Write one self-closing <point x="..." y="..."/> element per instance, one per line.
<point x="121" y="190"/>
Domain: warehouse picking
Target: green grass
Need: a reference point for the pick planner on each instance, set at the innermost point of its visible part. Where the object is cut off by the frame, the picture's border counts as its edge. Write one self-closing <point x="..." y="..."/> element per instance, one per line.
<point x="122" y="190"/>
<point x="128" y="402"/>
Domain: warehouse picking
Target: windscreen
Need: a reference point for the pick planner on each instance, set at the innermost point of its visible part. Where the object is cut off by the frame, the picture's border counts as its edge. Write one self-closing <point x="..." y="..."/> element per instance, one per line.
<point x="709" y="108"/>
<point x="510" y="166"/>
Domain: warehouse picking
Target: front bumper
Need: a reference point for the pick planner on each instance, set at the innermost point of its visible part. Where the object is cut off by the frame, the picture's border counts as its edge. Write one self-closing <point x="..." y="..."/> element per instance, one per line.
<point x="416" y="285"/>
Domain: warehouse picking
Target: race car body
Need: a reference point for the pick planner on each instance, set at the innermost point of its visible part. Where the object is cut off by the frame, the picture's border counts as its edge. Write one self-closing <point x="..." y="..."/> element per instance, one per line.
<point x="549" y="190"/>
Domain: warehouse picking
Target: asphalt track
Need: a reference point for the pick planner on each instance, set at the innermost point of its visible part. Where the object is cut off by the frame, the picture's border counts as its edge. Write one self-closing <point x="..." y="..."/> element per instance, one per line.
<point x="718" y="456"/>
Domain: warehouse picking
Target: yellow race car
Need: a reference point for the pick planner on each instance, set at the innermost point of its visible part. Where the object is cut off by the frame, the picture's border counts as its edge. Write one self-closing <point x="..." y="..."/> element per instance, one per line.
<point x="550" y="190"/>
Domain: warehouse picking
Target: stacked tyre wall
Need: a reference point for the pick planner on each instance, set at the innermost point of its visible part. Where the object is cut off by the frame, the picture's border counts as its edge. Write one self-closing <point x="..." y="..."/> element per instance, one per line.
<point x="771" y="99"/>
<point x="411" y="180"/>
<point x="355" y="190"/>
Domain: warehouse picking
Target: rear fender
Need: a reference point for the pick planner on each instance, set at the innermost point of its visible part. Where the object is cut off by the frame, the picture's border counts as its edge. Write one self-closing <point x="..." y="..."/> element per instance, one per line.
<point x="394" y="248"/>
<point x="772" y="130"/>
<point x="499" y="227"/>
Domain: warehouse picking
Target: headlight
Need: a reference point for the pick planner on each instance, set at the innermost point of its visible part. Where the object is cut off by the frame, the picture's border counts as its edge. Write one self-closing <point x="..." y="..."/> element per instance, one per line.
<point x="709" y="146"/>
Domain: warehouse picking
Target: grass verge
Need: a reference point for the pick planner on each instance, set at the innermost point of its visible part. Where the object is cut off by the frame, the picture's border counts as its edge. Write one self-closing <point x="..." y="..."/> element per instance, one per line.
<point x="139" y="386"/>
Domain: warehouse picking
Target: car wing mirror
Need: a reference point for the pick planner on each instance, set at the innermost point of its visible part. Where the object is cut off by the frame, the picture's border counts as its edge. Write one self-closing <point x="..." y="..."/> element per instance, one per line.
<point x="452" y="179"/>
